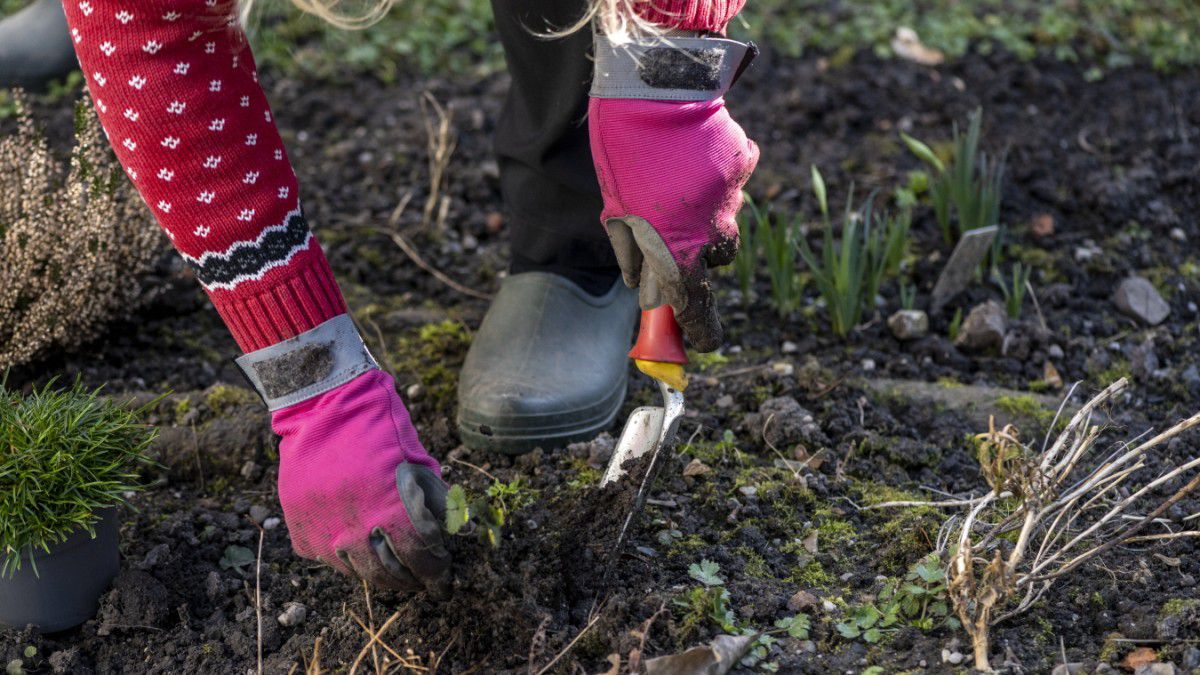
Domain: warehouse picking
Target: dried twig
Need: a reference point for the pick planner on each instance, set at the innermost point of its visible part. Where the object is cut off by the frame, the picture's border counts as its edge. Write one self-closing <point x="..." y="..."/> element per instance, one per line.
<point x="439" y="139"/>
<point x="570" y="644"/>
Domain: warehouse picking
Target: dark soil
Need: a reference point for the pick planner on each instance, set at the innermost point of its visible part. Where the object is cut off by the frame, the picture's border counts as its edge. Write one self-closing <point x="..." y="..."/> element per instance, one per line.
<point x="1114" y="162"/>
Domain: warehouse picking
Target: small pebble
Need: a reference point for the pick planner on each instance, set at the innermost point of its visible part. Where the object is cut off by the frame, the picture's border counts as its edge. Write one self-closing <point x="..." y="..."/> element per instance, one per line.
<point x="783" y="368"/>
<point x="1178" y="234"/>
<point x="725" y="401"/>
<point x="1055" y="352"/>
<point x="271" y="523"/>
<point x="789" y="347"/>
<point x="647" y="551"/>
<point x="868" y="365"/>
<point x="259" y="513"/>
<point x="293" y="614"/>
<point x="413" y="392"/>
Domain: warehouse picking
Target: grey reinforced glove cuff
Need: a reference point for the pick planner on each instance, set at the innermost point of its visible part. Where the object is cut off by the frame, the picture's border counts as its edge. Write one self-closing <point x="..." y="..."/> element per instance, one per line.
<point x="669" y="68"/>
<point x="307" y="365"/>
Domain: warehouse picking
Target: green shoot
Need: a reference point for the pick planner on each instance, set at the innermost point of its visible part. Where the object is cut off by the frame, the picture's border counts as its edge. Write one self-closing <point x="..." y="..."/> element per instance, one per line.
<point x="918" y="600"/>
<point x="968" y="183"/>
<point x="908" y="295"/>
<point x="776" y="238"/>
<point x="955" y="324"/>
<point x="64" y="454"/>
<point x="1013" y="288"/>
<point x="487" y="513"/>
<point x="848" y="273"/>
<point x="747" y="256"/>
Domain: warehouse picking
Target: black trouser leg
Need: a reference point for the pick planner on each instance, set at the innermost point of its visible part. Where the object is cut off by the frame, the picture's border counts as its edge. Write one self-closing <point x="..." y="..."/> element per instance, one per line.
<point x="546" y="174"/>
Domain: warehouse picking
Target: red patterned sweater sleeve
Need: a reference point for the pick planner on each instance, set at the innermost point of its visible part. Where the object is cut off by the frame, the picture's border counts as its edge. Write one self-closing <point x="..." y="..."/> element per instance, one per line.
<point x="176" y="89"/>
<point x="705" y="15"/>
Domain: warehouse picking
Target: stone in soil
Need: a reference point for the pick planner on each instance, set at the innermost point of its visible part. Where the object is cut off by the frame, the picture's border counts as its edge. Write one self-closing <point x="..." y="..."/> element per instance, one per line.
<point x="136" y="600"/>
<point x="1136" y="297"/>
<point x="294" y="614"/>
<point x="909" y="324"/>
<point x="984" y="328"/>
<point x="782" y="421"/>
<point x="960" y="268"/>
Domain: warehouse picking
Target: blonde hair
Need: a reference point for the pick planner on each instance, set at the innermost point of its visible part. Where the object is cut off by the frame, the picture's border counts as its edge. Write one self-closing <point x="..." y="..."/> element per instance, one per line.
<point x="330" y="12"/>
<point x="618" y="20"/>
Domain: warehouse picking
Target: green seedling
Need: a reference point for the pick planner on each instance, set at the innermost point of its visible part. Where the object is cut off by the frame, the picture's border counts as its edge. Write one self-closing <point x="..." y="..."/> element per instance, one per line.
<point x="908" y="295"/>
<point x="918" y="600"/>
<point x="64" y="454"/>
<point x="1013" y="288"/>
<point x="487" y="513"/>
<point x="955" y="324"/>
<point x="746" y="261"/>
<point x="775" y="238"/>
<point x="849" y="273"/>
<point x="966" y="186"/>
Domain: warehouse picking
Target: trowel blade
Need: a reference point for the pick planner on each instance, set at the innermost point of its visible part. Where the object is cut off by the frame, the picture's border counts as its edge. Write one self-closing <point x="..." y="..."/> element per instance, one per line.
<point x="642" y="430"/>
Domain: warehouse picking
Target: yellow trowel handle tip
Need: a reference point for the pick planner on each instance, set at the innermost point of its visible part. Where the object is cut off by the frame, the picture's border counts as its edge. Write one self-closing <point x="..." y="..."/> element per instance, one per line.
<point x="670" y="373"/>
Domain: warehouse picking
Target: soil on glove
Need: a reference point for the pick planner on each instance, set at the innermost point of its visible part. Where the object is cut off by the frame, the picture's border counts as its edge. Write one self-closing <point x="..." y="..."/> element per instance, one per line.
<point x="1111" y="163"/>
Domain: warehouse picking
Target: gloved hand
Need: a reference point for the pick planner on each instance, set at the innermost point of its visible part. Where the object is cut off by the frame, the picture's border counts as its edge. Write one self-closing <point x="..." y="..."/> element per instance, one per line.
<point x="672" y="175"/>
<point x="358" y="490"/>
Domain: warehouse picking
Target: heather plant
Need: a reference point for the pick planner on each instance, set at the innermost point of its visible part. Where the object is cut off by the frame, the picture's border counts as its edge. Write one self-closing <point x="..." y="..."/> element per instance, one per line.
<point x="849" y="272"/>
<point x="966" y="185"/>
<point x="74" y="244"/>
<point x="64" y="454"/>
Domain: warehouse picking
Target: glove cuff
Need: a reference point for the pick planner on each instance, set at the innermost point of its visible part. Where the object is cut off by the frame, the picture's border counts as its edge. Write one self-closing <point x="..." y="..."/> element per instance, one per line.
<point x="307" y="365"/>
<point x="669" y="68"/>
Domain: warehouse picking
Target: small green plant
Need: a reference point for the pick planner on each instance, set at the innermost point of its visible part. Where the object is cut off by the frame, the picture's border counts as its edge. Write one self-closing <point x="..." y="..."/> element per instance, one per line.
<point x="486" y="513"/>
<point x="849" y="273"/>
<point x="746" y="261"/>
<point x="1013" y="288"/>
<point x="64" y="454"/>
<point x="966" y="185"/>
<point x="955" y="324"/>
<point x="918" y="600"/>
<point x="775" y="238"/>
<point x="709" y="602"/>
<point x="908" y="295"/>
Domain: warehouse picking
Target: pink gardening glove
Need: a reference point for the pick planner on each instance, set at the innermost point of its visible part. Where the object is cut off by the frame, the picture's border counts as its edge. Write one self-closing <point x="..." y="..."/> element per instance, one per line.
<point x="672" y="175"/>
<point x="358" y="490"/>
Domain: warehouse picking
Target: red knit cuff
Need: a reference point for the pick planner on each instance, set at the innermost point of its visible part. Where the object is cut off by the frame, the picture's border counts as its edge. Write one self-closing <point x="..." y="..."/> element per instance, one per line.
<point x="701" y="15"/>
<point x="287" y="301"/>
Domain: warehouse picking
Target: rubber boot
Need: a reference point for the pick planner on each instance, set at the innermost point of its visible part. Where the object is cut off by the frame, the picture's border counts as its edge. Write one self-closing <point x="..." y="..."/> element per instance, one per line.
<point x="35" y="46"/>
<point x="548" y="365"/>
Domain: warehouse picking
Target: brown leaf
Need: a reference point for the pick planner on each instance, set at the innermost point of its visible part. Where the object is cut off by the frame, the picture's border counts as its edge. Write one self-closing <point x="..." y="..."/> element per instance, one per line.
<point x="1051" y="377"/>
<point x="801" y="601"/>
<point x="810" y="542"/>
<point x="1139" y="657"/>
<point x="614" y="660"/>
<point x="717" y="658"/>
<point x="1042" y="225"/>
<point x="696" y="468"/>
<point x="907" y="45"/>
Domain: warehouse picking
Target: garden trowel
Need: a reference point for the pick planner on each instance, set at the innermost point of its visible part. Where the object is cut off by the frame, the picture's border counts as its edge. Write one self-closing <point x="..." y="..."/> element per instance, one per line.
<point x="649" y="434"/>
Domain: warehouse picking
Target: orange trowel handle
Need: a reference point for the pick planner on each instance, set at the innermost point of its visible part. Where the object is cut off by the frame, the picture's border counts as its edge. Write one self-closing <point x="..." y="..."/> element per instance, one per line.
<point x="659" y="337"/>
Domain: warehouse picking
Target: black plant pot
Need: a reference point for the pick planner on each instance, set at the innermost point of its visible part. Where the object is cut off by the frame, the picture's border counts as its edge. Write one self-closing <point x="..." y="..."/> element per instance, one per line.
<point x="65" y="590"/>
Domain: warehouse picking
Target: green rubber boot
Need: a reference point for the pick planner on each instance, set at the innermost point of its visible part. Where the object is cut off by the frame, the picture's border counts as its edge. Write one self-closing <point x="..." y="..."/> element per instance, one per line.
<point x="35" y="46"/>
<point x="548" y="365"/>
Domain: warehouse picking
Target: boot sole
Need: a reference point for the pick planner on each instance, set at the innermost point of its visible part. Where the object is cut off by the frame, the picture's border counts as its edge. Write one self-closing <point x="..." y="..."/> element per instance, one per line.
<point x="515" y="436"/>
